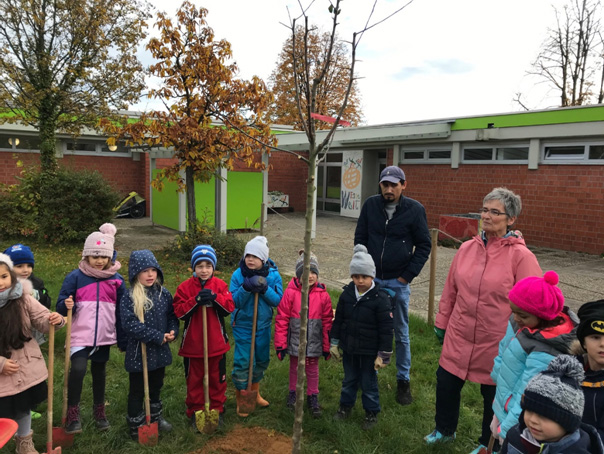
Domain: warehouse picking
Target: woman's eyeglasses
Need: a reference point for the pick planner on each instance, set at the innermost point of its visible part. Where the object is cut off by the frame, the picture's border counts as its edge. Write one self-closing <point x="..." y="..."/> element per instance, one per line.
<point x="491" y="212"/>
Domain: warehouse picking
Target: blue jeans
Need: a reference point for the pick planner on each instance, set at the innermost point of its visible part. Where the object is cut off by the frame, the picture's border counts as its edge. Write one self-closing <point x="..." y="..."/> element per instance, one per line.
<point x="402" y="292"/>
<point x="358" y="370"/>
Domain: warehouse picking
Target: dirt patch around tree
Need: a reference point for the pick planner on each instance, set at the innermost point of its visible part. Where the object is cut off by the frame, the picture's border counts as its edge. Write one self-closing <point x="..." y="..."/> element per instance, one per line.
<point x="248" y="440"/>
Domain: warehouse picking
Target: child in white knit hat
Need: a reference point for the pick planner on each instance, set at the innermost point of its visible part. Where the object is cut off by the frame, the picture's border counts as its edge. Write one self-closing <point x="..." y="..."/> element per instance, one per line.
<point x="92" y="291"/>
<point x="363" y="329"/>
<point x="257" y="275"/>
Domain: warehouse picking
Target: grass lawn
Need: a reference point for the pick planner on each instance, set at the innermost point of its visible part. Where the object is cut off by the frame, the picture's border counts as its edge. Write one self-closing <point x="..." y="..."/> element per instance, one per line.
<point x="399" y="430"/>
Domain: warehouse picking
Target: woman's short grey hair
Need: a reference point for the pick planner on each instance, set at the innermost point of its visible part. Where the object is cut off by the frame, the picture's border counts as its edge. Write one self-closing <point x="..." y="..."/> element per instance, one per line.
<point x="511" y="202"/>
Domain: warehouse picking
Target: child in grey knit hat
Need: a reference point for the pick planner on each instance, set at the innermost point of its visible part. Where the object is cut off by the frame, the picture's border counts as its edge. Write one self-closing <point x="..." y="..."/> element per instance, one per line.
<point x="552" y="406"/>
<point x="363" y="329"/>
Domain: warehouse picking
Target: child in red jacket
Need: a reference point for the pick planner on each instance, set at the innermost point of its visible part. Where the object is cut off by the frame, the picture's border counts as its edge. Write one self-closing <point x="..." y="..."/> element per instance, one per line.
<point x="204" y="289"/>
<point x="287" y="331"/>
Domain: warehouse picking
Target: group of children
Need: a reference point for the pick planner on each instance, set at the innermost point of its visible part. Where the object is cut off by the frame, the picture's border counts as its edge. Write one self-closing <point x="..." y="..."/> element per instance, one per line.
<point x="546" y="401"/>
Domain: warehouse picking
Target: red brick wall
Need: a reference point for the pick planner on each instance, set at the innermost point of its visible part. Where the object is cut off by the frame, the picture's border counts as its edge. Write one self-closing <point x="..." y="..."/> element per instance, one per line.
<point x="563" y="205"/>
<point x="288" y="174"/>
<point x="122" y="173"/>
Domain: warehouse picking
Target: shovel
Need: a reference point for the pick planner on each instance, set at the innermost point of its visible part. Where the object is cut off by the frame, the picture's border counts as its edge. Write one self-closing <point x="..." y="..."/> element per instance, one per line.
<point x="59" y="436"/>
<point x="51" y="372"/>
<point x="206" y="420"/>
<point x="147" y="433"/>
<point x="8" y="427"/>
<point x="248" y="397"/>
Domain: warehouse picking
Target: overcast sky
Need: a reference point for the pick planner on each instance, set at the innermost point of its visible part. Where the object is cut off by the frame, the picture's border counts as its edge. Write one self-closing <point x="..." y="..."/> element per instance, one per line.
<point x="435" y="59"/>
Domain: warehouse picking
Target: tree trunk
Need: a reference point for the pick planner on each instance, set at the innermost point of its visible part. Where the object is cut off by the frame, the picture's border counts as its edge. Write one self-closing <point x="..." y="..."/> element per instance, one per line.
<point x="48" y="144"/>
<point x="301" y="383"/>
<point x="190" y="188"/>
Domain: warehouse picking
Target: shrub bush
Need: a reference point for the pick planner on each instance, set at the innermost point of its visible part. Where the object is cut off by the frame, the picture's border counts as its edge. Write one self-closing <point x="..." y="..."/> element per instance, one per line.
<point x="61" y="207"/>
<point x="229" y="248"/>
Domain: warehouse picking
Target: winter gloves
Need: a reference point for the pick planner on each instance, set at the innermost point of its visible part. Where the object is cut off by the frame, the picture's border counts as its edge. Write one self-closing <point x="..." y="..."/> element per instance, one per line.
<point x="205" y="297"/>
<point x="440" y="334"/>
<point x="382" y="360"/>
<point x="334" y="349"/>
<point x="255" y="284"/>
<point x="281" y="352"/>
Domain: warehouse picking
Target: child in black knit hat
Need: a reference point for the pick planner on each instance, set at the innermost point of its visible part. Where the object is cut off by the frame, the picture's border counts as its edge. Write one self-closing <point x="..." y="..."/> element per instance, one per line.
<point x="552" y="406"/>
<point x="589" y="349"/>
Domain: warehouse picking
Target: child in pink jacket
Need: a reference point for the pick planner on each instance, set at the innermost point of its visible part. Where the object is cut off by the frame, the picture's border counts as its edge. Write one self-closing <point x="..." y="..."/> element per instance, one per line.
<point x="287" y="331"/>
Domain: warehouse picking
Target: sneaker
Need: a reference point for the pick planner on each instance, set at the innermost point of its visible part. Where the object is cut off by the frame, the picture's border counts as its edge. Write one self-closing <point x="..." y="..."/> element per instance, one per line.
<point x="342" y="413"/>
<point x="403" y="393"/>
<point x="291" y="400"/>
<point x="480" y="449"/>
<point x="437" y="437"/>
<point x="370" y="420"/>
<point x="313" y="405"/>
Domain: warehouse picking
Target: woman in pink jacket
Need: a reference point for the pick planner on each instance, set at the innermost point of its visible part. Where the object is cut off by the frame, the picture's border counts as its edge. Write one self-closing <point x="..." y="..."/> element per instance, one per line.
<point x="474" y="310"/>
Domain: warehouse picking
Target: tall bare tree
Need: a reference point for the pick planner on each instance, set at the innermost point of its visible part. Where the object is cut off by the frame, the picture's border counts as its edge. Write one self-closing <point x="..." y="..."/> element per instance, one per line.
<point x="64" y="64"/>
<point x="307" y="84"/>
<point x="313" y="46"/>
<point x="572" y="55"/>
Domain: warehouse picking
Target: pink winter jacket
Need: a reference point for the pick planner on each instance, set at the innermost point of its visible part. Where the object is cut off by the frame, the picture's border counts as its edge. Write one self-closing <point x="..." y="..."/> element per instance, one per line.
<point x="32" y="367"/>
<point x="474" y="307"/>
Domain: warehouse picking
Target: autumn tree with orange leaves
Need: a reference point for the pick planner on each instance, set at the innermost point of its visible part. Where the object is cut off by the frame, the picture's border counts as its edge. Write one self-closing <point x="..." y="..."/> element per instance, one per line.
<point x="314" y="48"/>
<point x="199" y="85"/>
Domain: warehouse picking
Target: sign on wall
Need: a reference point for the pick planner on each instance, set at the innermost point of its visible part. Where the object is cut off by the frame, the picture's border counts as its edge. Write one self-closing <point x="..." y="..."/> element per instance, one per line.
<point x="352" y="175"/>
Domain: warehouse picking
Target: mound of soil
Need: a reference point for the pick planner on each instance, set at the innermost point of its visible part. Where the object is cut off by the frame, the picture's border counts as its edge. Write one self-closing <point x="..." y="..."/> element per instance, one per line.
<point x="248" y="440"/>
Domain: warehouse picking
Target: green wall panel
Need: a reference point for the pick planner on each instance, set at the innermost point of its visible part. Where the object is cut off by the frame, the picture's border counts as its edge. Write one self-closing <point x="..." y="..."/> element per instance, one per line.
<point x="244" y="201"/>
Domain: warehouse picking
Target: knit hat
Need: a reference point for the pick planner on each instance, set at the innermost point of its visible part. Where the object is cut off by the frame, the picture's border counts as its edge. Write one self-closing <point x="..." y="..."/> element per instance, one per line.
<point x="361" y="262"/>
<point x="258" y="247"/>
<point x="314" y="264"/>
<point x="6" y="259"/>
<point x="100" y="244"/>
<point x="538" y="295"/>
<point x="19" y="254"/>
<point x="203" y="252"/>
<point x="592" y="319"/>
<point x="556" y="392"/>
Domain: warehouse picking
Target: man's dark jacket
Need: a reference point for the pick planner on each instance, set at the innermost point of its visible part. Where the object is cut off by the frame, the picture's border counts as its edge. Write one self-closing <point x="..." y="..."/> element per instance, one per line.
<point x="391" y="242"/>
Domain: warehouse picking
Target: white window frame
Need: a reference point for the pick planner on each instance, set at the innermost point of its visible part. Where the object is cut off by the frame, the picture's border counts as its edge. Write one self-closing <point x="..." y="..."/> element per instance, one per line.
<point x="571" y="159"/>
<point x="493" y="147"/>
<point x="426" y="150"/>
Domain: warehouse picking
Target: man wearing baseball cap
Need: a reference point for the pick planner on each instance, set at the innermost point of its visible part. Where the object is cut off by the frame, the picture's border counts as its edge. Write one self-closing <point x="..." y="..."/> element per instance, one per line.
<point x="395" y="231"/>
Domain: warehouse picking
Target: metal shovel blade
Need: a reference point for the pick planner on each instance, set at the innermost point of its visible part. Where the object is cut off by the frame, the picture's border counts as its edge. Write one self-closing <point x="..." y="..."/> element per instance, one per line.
<point x="51" y="450"/>
<point x="148" y="435"/>
<point x="61" y="438"/>
<point x="247" y="402"/>
<point x="207" y="420"/>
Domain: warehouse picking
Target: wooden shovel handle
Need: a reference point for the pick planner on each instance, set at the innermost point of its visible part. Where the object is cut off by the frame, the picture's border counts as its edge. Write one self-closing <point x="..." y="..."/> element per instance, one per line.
<point x="206" y="372"/>
<point x="146" y="384"/>
<point x="255" y="319"/>
<point x="51" y="369"/>
<point x="66" y="367"/>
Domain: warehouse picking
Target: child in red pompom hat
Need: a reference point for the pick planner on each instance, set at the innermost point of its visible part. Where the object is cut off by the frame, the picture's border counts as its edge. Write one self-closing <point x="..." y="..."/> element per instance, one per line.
<point x="539" y="329"/>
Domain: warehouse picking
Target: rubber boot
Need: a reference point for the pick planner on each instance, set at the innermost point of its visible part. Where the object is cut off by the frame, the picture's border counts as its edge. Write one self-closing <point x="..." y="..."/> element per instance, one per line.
<point x="100" y="419"/>
<point x="134" y="423"/>
<point x="403" y="393"/>
<point x="73" y="425"/>
<point x="238" y="397"/>
<point x="25" y="445"/>
<point x="156" y="415"/>
<point x="259" y="399"/>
